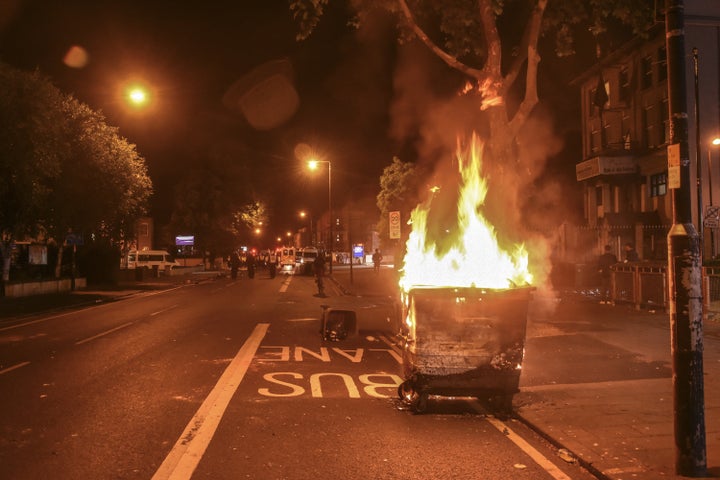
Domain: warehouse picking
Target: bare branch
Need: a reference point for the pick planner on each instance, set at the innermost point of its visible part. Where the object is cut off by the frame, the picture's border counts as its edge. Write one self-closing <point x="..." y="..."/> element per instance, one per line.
<point x="444" y="56"/>
<point x="530" y="39"/>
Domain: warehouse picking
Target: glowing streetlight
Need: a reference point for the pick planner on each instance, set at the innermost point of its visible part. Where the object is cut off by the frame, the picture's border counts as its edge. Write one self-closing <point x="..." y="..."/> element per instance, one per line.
<point x="313" y="165"/>
<point x="303" y="214"/>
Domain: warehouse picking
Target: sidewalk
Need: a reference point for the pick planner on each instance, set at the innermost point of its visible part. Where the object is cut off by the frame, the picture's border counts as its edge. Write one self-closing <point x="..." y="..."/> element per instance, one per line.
<point x="620" y="429"/>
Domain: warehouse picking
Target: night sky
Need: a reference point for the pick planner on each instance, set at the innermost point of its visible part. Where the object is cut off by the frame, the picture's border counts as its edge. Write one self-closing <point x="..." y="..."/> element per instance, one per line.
<point x="362" y="99"/>
<point x="189" y="54"/>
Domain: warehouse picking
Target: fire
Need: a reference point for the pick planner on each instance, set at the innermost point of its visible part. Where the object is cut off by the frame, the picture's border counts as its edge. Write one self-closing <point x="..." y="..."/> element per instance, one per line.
<point x="474" y="259"/>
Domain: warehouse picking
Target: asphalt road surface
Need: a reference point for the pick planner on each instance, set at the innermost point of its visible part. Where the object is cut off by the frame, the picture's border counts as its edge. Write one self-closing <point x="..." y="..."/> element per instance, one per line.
<point x="230" y="379"/>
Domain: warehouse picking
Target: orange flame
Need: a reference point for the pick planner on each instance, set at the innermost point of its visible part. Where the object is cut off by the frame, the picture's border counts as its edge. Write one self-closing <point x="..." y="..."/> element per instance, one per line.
<point x="475" y="258"/>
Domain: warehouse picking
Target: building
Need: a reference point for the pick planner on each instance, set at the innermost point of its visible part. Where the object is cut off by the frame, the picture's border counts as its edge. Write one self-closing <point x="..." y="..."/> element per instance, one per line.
<point x="623" y="171"/>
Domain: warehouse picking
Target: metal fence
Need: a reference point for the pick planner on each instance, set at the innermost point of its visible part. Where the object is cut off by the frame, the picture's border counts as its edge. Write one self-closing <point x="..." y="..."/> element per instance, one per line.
<point x="644" y="285"/>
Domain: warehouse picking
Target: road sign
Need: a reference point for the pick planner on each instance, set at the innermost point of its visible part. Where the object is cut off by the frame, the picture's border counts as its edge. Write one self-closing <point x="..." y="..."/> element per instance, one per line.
<point x="394" y="224"/>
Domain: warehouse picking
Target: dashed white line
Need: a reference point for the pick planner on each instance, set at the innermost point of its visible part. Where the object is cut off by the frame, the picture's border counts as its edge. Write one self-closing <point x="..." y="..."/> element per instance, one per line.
<point x="190" y="447"/>
<point x="163" y="310"/>
<point x="14" y="367"/>
<point x="285" y="284"/>
<point x="80" y="342"/>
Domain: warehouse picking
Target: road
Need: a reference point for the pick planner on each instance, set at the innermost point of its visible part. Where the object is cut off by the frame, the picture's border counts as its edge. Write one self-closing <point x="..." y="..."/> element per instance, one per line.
<point x="231" y="379"/>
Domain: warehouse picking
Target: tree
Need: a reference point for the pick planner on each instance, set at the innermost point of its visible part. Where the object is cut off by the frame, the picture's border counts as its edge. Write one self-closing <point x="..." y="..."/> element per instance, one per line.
<point x="484" y="40"/>
<point x="61" y="167"/>
<point x="215" y="201"/>
<point x="398" y="192"/>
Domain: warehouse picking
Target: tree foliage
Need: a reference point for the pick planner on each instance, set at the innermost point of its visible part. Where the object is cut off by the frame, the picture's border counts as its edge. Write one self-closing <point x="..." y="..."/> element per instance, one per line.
<point x="399" y="185"/>
<point x="215" y="201"/>
<point x="62" y="168"/>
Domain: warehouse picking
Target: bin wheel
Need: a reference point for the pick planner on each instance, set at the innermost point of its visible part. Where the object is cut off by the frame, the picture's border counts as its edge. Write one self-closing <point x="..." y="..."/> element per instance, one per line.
<point x="416" y="400"/>
<point x="501" y="404"/>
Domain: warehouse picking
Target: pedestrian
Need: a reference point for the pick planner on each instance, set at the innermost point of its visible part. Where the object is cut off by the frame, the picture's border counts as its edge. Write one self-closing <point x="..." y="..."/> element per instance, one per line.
<point x="606" y="260"/>
<point x="250" y="262"/>
<point x="377" y="260"/>
<point x="319" y="270"/>
<point x="234" y="265"/>
<point x="631" y="255"/>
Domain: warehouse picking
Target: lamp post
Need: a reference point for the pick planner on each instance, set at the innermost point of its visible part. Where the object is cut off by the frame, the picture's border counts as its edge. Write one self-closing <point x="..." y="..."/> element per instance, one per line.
<point x="313" y="165"/>
<point x="304" y="214"/>
<point x="715" y="142"/>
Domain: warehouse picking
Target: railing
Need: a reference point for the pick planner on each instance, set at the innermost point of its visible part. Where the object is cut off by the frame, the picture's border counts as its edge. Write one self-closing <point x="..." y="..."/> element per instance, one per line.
<point x="644" y="284"/>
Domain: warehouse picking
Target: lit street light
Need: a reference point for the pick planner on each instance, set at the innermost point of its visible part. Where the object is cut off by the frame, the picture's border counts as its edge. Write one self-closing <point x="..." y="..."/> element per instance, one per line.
<point x="313" y="165"/>
<point x="304" y="214"/>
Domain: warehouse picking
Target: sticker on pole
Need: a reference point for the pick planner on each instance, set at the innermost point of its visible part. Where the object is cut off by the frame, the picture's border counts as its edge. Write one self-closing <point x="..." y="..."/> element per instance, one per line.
<point x="712" y="216"/>
<point x="673" y="165"/>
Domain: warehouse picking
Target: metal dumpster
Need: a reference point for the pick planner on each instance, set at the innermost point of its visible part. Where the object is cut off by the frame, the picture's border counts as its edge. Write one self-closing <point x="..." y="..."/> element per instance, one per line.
<point x="463" y="342"/>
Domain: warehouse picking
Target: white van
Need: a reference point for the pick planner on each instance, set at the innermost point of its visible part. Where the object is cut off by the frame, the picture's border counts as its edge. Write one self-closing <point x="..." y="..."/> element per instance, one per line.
<point x="287" y="259"/>
<point x="150" y="259"/>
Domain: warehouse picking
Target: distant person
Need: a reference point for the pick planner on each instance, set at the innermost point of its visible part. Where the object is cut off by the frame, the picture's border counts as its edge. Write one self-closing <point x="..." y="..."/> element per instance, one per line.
<point x="234" y="265"/>
<point x="377" y="260"/>
<point x="319" y="270"/>
<point x="250" y="262"/>
<point x="606" y="260"/>
<point x="631" y="255"/>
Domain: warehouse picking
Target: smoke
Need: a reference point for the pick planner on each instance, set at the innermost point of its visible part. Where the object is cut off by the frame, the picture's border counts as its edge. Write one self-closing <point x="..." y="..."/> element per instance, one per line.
<point x="523" y="205"/>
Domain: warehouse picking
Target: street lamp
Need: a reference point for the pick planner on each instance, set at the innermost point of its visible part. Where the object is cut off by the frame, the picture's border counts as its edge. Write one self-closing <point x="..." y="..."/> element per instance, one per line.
<point x="715" y="142"/>
<point x="313" y="165"/>
<point x="304" y="214"/>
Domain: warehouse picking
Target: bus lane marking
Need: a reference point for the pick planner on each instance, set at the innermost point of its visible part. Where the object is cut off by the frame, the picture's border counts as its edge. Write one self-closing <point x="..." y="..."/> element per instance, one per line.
<point x="185" y="455"/>
<point x="286" y="384"/>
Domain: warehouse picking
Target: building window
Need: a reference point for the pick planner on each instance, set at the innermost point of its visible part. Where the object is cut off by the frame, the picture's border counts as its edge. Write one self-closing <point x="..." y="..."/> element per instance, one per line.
<point x="646" y="70"/>
<point x="624" y="81"/>
<point x="662" y="64"/>
<point x="143" y="230"/>
<point x="599" y="196"/>
<point x="658" y="184"/>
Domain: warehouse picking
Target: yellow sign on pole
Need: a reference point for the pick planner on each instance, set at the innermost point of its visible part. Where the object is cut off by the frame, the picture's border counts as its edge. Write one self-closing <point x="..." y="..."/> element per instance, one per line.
<point x="394" y="224"/>
<point x="673" y="165"/>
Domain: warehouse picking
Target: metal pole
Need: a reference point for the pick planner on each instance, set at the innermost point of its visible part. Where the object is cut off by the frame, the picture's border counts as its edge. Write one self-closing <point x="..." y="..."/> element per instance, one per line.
<point x="712" y="229"/>
<point x="698" y="156"/>
<point x="684" y="267"/>
<point x="330" y="214"/>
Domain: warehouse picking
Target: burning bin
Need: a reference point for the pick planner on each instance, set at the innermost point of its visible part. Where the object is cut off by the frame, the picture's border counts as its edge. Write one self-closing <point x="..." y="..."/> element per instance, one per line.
<point x="463" y="342"/>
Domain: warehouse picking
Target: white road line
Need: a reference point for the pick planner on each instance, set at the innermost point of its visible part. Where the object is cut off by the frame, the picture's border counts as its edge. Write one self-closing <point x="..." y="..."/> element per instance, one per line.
<point x="14" y="367"/>
<point x="163" y="310"/>
<point x="80" y="342"/>
<point x="103" y="305"/>
<point x="537" y="457"/>
<point x="285" y="284"/>
<point x="190" y="447"/>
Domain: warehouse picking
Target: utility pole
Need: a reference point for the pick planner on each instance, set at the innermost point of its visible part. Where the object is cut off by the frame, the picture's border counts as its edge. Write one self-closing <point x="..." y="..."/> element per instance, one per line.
<point x="684" y="266"/>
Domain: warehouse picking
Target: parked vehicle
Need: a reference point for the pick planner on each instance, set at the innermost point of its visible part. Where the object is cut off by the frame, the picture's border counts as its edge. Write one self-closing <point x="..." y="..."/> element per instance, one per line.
<point x="305" y="260"/>
<point x="287" y="260"/>
<point x="151" y="258"/>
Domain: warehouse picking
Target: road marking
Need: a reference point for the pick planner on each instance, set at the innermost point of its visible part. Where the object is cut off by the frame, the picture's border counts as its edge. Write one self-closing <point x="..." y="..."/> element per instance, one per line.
<point x="80" y="342"/>
<point x="103" y="305"/>
<point x="285" y="284"/>
<point x="536" y="456"/>
<point x="14" y="367"/>
<point x="163" y="310"/>
<point x="190" y="447"/>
